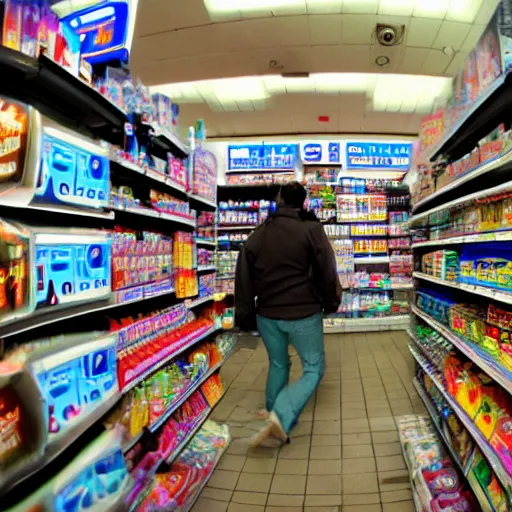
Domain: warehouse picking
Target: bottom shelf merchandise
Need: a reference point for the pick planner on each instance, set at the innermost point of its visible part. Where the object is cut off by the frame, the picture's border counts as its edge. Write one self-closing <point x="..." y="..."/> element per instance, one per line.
<point x="178" y="489"/>
<point x="436" y="484"/>
<point x="335" y="325"/>
<point x="164" y="446"/>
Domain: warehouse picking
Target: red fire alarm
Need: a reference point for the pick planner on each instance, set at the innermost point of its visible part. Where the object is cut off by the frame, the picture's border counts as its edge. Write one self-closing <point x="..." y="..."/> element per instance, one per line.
<point x="323" y="119"/>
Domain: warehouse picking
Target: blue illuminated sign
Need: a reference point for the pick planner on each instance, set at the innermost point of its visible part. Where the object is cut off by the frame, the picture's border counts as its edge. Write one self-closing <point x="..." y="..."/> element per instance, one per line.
<point x="72" y="272"/>
<point x="105" y="29"/>
<point x="379" y="155"/>
<point x="72" y="176"/>
<point x="262" y="156"/>
<point x="321" y="152"/>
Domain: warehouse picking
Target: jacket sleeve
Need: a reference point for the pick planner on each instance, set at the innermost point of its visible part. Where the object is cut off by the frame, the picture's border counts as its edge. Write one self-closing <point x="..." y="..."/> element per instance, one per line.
<point x="245" y="306"/>
<point x="324" y="270"/>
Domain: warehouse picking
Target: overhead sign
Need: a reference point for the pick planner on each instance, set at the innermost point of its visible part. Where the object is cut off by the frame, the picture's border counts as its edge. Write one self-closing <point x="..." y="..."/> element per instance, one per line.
<point x="320" y="153"/>
<point x="394" y="156"/>
<point x="273" y="157"/>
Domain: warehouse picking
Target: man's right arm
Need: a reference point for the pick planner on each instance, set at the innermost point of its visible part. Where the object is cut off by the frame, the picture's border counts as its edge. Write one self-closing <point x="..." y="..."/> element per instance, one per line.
<point x="324" y="269"/>
<point x="245" y="310"/>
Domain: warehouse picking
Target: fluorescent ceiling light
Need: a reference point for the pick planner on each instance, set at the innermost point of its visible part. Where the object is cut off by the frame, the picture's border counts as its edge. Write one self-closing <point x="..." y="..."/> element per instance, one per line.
<point x="387" y="92"/>
<point x="454" y="10"/>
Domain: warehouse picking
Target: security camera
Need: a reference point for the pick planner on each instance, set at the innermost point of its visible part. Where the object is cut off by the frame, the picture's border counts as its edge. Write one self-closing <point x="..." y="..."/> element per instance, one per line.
<point x="389" y="35"/>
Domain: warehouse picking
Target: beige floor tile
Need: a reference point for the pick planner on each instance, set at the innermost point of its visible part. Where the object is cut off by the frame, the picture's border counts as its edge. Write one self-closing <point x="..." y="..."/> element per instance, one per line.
<point x="395" y="496"/>
<point x="324" y="484"/>
<point x="288" y="484"/>
<point x="361" y="499"/>
<point x="216" y="494"/>
<point x="291" y="467"/>
<point x="285" y="500"/>
<point x="324" y="467"/>
<point x="354" y="439"/>
<point x="362" y="508"/>
<point x="360" y="483"/>
<point x="232" y="462"/>
<point x="249" y="498"/>
<point x="323" y="500"/>
<point x="390" y="463"/>
<point x="394" y="480"/>
<point x="325" y="452"/>
<point x="302" y="429"/>
<point x="265" y="466"/>
<point x="382" y="424"/>
<point x="322" y="509"/>
<point x="326" y="427"/>
<point x="354" y="414"/>
<point x="385" y="450"/>
<point x="238" y="507"/>
<point x="355" y="426"/>
<point x="224" y="480"/>
<point x="252" y="482"/>
<point x="294" y="451"/>
<point x="361" y="465"/>
<point x="385" y="437"/>
<point x="206" y="505"/>
<point x="404" y="506"/>
<point x="357" y="451"/>
<point x="328" y="414"/>
<point x="321" y="440"/>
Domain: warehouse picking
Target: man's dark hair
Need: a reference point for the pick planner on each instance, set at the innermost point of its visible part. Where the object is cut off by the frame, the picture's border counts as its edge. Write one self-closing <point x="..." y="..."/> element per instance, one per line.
<point x="293" y="194"/>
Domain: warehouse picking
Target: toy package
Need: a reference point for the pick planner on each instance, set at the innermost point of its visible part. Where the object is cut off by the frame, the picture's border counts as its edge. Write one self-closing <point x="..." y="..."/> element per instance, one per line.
<point x="185" y="264"/>
<point x="442" y="264"/>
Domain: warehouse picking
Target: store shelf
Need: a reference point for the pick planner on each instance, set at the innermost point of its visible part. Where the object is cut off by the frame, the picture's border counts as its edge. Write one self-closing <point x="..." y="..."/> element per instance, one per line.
<point x="66" y="210"/>
<point x="148" y="212"/>
<point x="30" y="465"/>
<point x="59" y="95"/>
<point x="483" y="291"/>
<point x="374" y="260"/>
<point x="205" y="242"/>
<point x="489" y="453"/>
<point x="165" y="142"/>
<point x="199" y="203"/>
<point x="467" y="199"/>
<point x="188" y="506"/>
<point x="387" y="323"/>
<point x="135" y="172"/>
<point x="199" y="301"/>
<point x="472" y="351"/>
<point x="495" y="236"/>
<point x="194" y="387"/>
<point x="482" y="116"/>
<point x="237" y="228"/>
<point x="190" y="340"/>
<point x="417" y="503"/>
<point x="206" y="268"/>
<point x="402" y="287"/>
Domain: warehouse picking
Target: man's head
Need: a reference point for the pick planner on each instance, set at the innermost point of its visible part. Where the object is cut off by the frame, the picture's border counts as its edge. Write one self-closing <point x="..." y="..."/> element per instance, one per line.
<point x="293" y="194"/>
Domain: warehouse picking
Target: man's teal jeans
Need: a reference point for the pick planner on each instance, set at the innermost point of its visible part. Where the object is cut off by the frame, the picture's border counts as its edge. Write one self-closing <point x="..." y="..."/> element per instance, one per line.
<point x="307" y="337"/>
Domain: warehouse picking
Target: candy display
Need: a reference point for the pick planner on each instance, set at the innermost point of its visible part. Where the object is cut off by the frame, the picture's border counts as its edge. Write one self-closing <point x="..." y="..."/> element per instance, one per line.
<point x="164" y="203"/>
<point x="240" y="213"/>
<point x="144" y="343"/>
<point x="207" y="285"/>
<point x="179" y="488"/>
<point x="337" y="230"/>
<point x="442" y="264"/>
<point x="278" y="178"/>
<point x="185" y="264"/>
<point x="226" y="263"/>
<point x="361" y="207"/>
<point x="435" y="481"/>
<point x="206" y="226"/>
<point x="364" y="247"/>
<point x="368" y="230"/>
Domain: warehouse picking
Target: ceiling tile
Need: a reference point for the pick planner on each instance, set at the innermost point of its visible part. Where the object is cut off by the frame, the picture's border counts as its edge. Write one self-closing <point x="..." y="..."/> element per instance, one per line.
<point x="393" y="53"/>
<point x="435" y="63"/>
<point x="350" y="124"/>
<point x="358" y="28"/>
<point x="165" y="15"/>
<point x="396" y="7"/>
<point x="464" y="10"/>
<point x="422" y="32"/>
<point x="360" y="6"/>
<point x="325" y="29"/>
<point x="290" y="10"/>
<point x="292" y="30"/>
<point x="412" y="60"/>
<point x="451" y="34"/>
<point x="486" y="11"/>
<point x="167" y="45"/>
<point x="324" y="6"/>
<point x="456" y="64"/>
<point x="261" y="33"/>
<point x="474" y="35"/>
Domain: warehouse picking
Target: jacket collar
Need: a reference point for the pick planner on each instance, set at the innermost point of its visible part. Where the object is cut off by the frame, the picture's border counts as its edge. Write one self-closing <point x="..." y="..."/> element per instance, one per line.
<point x="288" y="211"/>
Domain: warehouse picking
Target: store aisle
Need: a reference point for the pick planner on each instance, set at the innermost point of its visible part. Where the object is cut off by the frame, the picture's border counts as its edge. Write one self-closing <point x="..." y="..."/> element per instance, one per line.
<point x="344" y="456"/>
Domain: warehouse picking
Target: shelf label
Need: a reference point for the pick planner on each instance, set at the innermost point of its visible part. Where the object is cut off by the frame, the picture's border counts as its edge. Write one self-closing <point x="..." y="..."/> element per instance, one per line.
<point x="262" y="156"/>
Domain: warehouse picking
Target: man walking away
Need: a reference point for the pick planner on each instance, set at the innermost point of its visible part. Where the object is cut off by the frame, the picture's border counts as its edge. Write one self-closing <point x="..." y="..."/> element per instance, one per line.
<point x="285" y="279"/>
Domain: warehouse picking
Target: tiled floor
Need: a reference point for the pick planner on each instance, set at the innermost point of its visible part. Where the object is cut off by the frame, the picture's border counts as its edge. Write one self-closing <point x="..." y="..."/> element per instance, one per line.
<point x="344" y="456"/>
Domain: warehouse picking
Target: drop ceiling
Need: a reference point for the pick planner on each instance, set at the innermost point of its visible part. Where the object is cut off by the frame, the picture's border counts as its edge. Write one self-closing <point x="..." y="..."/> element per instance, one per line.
<point x="194" y="40"/>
